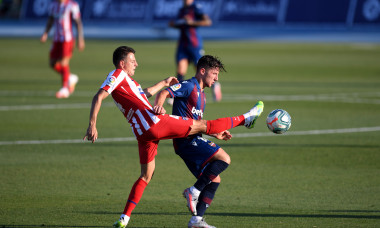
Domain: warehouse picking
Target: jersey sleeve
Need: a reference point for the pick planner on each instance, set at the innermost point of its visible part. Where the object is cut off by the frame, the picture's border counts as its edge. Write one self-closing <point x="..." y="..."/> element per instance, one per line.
<point x="180" y="90"/>
<point x="111" y="82"/>
<point x="75" y="11"/>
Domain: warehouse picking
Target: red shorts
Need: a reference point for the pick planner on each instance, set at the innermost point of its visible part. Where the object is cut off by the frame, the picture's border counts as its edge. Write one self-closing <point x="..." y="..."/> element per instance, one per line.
<point x="61" y="49"/>
<point x="169" y="127"/>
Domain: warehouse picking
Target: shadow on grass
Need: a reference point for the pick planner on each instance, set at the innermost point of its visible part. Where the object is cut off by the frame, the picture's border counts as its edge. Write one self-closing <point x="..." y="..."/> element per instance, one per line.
<point x="273" y="215"/>
<point x="262" y="215"/>
<point x="348" y="216"/>
<point x="42" y="225"/>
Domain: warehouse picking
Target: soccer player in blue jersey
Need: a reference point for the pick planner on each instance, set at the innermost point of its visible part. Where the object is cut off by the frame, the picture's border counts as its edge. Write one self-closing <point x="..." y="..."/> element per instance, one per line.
<point x="205" y="159"/>
<point x="190" y="45"/>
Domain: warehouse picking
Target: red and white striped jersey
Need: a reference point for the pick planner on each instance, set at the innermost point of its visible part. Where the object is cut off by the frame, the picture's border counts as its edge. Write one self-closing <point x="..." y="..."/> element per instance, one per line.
<point x="130" y="98"/>
<point x="63" y="13"/>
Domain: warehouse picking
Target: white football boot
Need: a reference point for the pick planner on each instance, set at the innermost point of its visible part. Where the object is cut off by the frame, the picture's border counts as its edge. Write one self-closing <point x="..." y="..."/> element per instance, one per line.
<point x="62" y="93"/>
<point x="198" y="222"/>
<point x="253" y="114"/>
<point x="192" y="201"/>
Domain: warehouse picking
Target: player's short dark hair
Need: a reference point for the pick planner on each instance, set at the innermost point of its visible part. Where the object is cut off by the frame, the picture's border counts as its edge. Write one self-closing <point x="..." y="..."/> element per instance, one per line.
<point x="120" y="53"/>
<point x="208" y="62"/>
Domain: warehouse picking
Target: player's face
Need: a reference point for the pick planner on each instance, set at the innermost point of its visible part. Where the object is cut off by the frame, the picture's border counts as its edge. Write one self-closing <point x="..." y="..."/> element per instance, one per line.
<point x="188" y="2"/>
<point x="211" y="76"/>
<point x="130" y="64"/>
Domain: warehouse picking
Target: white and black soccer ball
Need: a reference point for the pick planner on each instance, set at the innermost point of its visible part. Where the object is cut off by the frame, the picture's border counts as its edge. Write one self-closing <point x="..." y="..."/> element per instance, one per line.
<point x="279" y="121"/>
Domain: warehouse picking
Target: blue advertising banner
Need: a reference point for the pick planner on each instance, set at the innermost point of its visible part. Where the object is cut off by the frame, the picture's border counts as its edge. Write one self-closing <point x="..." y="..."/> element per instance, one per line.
<point x="318" y="11"/>
<point x="250" y="10"/>
<point x="36" y="9"/>
<point x="156" y="12"/>
<point x="134" y="10"/>
<point x="367" y="12"/>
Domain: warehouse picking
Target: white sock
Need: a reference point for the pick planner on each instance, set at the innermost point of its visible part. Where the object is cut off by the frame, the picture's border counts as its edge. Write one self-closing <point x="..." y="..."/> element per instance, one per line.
<point x="195" y="191"/>
<point x="125" y="219"/>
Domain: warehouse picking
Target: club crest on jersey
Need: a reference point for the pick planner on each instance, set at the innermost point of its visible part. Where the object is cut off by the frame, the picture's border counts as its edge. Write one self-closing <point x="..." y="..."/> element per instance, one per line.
<point x="212" y="144"/>
<point x="175" y="87"/>
<point x="111" y="80"/>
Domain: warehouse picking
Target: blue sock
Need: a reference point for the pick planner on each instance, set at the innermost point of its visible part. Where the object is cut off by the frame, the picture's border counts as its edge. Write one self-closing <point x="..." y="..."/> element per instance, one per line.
<point x="206" y="197"/>
<point x="212" y="170"/>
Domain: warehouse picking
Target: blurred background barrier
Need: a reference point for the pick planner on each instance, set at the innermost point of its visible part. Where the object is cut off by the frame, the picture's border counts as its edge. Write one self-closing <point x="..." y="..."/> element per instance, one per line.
<point x="344" y="12"/>
<point x="242" y="18"/>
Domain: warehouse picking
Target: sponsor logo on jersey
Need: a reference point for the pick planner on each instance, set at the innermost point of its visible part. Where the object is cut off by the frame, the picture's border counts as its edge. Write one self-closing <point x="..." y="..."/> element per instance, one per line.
<point x="197" y="112"/>
<point x="130" y="114"/>
<point x="111" y="80"/>
<point x="175" y="87"/>
<point x="120" y="107"/>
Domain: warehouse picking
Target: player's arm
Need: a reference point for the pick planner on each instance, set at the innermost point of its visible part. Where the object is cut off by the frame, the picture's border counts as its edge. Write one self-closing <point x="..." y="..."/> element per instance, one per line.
<point x="150" y="91"/>
<point x="92" y="132"/>
<point x="205" y="21"/>
<point x="224" y="135"/>
<point x="158" y="107"/>
<point x="79" y="24"/>
<point x="48" y="26"/>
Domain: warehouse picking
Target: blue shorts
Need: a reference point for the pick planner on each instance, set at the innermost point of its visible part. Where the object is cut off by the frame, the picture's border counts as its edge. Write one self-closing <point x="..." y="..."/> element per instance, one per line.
<point x="193" y="54"/>
<point x="196" y="152"/>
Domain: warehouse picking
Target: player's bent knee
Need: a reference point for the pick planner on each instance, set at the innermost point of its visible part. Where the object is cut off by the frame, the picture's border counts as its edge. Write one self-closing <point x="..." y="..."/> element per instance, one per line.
<point x="223" y="156"/>
<point x="217" y="179"/>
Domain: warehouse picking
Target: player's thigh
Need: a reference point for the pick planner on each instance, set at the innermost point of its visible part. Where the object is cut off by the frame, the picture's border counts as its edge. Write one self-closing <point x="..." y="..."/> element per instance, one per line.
<point x="222" y="155"/>
<point x="147" y="151"/>
<point x="196" y="153"/>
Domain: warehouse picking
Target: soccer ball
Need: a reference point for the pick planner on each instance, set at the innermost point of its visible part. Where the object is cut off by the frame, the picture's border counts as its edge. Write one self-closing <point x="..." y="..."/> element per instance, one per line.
<point x="279" y="121"/>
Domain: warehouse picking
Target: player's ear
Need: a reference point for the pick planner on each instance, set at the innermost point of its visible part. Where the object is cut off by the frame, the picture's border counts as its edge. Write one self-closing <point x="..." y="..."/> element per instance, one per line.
<point x="202" y="71"/>
<point x="121" y="63"/>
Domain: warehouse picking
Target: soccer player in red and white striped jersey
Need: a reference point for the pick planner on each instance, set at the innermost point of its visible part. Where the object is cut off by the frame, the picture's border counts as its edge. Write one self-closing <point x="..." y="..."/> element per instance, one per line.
<point x="150" y="124"/>
<point x="61" y="15"/>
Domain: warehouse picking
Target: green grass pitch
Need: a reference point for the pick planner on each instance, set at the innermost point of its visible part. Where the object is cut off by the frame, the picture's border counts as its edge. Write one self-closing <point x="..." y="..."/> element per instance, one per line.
<point x="325" y="172"/>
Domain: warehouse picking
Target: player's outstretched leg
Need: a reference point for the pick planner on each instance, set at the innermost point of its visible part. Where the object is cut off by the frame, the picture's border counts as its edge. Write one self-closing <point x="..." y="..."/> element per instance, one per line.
<point x="198" y="222"/>
<point x="248" y="119"/>
<point x="253" y="114"/>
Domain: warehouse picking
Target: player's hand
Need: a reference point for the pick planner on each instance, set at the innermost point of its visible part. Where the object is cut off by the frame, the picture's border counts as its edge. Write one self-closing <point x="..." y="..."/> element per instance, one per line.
<point x="224" y="135"/>
<point x="91" y="134"/>
<point x="81" y="45"/>
<point x="159" y="110"/>
<point x="171" y="81"/>
<point x="189" y="21"/>
<point x="44" y="37"/>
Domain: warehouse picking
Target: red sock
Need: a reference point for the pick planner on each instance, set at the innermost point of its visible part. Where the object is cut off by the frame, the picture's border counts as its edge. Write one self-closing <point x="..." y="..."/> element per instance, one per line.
<point x="65" y="72"/>
<point x="219" y="125"/>
<point x="58" y="68"/>
<point x="135" y="196"/>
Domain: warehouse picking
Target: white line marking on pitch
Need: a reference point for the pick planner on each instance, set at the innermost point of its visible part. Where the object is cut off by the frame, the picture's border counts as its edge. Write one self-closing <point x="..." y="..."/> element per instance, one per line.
<point x="365" y="97"/>
<point x="237" y="135"/>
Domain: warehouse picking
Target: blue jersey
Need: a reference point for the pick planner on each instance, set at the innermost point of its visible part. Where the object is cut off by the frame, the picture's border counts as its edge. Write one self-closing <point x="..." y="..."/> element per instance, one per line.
<point x="190" y="100"/>
<point x="189" y="34"/>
